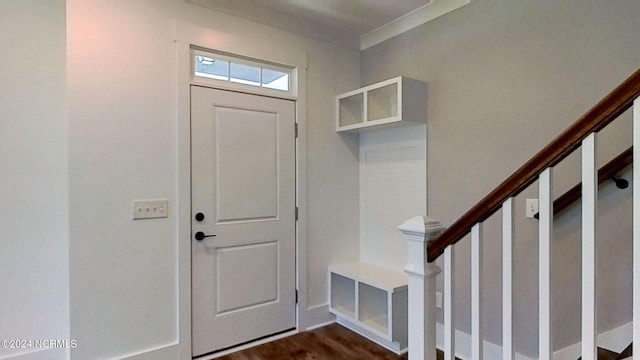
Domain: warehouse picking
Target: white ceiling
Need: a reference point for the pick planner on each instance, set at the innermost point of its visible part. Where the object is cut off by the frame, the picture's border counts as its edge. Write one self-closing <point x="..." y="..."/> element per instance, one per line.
<point x="338" y="21"/>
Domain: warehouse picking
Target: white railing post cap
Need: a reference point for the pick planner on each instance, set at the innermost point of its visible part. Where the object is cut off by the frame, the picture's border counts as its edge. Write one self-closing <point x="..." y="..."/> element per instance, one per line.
<point x="422" y="226"/>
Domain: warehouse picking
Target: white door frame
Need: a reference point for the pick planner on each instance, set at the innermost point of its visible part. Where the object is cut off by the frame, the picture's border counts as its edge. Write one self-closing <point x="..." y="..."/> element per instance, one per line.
<point x="186" y="35"/>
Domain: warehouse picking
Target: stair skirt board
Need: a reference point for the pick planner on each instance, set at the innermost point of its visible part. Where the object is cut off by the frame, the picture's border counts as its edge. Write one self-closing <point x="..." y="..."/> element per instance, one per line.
<point x="626" y="354"/>
<point x="616" y="340"/>
<point x="604" y="354"/>
<point x="463" y="346"/>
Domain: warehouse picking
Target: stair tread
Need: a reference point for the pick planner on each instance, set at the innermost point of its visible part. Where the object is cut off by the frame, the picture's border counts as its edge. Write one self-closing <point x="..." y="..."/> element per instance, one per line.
<point x="604" y="354"/>
<point x="626" y="353"/>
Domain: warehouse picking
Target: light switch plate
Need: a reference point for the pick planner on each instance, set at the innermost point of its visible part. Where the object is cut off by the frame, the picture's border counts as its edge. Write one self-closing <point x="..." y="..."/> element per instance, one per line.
<point x="150" y="209"/>
<point x="532" y="208"/>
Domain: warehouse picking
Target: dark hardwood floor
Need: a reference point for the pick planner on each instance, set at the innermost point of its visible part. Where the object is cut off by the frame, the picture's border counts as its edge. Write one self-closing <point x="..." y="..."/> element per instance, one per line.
<point x="332" y="342"/>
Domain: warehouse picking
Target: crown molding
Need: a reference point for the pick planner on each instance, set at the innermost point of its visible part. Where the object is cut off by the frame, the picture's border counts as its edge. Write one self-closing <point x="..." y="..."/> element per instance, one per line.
<point x="417" y="17"/>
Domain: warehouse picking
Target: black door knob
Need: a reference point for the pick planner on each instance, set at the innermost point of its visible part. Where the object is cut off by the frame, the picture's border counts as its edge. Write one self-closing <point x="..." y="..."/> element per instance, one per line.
<point x="200" y="236"/>
<point x="199" y="216"/>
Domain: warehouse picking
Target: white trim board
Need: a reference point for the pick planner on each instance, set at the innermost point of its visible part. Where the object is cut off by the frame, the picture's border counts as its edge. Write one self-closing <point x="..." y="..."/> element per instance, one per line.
<point x="316" y="317"/>
<point x="615" y="340"/>
<point x="169" y="351"/>
<point x="463" y="346"/>
<point x="406" y="22"/>
<point x="38" y="354"/>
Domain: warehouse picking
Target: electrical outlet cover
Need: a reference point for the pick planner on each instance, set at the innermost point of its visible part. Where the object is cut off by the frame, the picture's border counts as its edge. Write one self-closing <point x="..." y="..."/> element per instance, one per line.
<point x="532" y="208"/>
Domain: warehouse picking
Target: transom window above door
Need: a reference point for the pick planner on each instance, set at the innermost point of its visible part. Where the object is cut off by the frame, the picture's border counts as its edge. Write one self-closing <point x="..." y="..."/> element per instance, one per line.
<point x="224" y="68"/>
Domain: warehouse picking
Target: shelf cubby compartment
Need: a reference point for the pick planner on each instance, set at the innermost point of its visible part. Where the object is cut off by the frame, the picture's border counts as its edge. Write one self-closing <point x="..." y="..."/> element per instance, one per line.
<point x="382" y="102"/>
<point x="351" y="110"/>
<point x="371" y="301"/>
<point x="343" y="295"/>
<point x="391" y="102"/>
<point x="373" y="309"/>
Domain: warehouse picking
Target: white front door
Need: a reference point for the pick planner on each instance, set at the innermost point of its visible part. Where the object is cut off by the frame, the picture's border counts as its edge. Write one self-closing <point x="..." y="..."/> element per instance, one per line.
<point x="243" y="192"/>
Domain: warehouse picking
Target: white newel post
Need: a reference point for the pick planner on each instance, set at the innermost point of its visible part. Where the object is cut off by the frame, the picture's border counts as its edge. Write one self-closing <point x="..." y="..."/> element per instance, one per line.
<point x="418" y="231"/>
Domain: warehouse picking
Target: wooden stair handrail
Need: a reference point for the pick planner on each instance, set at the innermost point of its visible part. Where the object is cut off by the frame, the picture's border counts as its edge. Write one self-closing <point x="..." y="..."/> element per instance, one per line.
<point x="605" y="173"/>
<point x="603" y="113"/>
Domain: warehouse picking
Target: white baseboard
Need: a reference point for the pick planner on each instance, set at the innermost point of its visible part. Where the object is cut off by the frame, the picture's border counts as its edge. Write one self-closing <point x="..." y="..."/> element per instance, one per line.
<point x="315" y="317"/>
<point x="321" y="325"/>
<point x="40" y="354"/>
<point x="392" y="346"/>
<point x="168" y="352"/>
<point x="615" y="340"/>
<point x="463" y="346"/>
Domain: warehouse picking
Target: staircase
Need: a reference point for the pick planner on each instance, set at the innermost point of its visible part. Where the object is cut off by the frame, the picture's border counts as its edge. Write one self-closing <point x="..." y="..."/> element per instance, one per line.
<point x="425" y="232"/>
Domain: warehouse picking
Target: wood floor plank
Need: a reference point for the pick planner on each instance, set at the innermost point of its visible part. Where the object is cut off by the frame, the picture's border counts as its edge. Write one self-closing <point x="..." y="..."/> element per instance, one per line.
<point x="332" y="342"/>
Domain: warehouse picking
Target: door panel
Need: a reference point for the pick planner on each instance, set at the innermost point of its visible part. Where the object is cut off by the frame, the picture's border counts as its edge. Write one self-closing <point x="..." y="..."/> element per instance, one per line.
<point x="264" y="259"/>
<point x="243" y="181"/>
<point x="248" y="188"/>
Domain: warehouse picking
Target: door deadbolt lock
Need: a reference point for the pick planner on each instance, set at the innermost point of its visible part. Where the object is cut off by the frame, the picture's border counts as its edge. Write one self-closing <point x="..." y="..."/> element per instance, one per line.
<point x="199" y="216"/>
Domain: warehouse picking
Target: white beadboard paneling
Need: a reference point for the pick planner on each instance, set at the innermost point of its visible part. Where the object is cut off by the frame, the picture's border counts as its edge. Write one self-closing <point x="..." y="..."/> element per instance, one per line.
<point x="392" y="189"/>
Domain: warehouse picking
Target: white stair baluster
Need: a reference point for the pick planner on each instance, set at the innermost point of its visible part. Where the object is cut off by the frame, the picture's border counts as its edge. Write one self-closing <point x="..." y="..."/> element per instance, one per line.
<point x="476" y="292"/>
<point x="544" y="255"/>
<point x="507" y="279"/>
<point x="589" y="204"/>
<point x="636" y="228"/>
<point x="449" y="310"/>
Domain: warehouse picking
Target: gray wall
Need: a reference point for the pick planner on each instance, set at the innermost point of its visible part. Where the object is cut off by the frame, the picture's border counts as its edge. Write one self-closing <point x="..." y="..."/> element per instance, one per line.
<point x="504" y="78"/>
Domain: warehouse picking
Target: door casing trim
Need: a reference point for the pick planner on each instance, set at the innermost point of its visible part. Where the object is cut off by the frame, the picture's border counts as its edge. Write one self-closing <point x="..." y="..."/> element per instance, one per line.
<point x="186" y="35"/>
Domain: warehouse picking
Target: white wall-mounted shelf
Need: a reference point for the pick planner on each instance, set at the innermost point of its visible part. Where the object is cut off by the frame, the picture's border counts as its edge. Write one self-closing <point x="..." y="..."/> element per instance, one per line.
<point x="371" y="301"/>
<point x="395" y="101"/>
